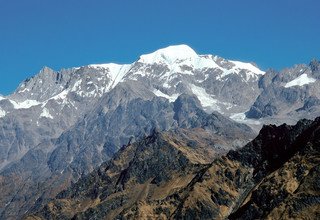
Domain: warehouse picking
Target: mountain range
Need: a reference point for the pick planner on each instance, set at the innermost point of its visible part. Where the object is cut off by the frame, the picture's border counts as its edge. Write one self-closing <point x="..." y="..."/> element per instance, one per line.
<point x="162" y="177"/>
<point x="59" y="126"/>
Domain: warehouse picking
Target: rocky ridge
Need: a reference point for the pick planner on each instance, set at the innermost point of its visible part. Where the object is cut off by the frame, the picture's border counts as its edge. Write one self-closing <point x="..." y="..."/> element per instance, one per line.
<point x="51" y="166"/>
<point x="274" y="176"/>
<point x="290" y="93"/>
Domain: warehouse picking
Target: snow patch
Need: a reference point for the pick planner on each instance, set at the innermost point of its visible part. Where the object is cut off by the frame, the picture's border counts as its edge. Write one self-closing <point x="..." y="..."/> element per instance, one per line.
<point x="300" y="81"/>
<point x="76" y="86"/>
<point x="25" y="104"/>
<point x="251" y="70"/>
<point x="205" y="62"/>
<point x="207" y="100"/>
<point x="24" y="90"/>
<point x="99" y="66"/>
<point x="247" y="66"/>
<point x="2" y="113"/>
<point x="241" y="118"/>
<point x="62" y="95"/>
<point x="171" y="98"/>
<point x="59" y="97"/>
<point x="116" y="72"/>
<point x="46" y="114"/>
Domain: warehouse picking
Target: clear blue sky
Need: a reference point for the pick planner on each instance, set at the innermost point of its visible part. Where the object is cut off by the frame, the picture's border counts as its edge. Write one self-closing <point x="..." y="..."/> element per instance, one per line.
<point x="67" y="33"/>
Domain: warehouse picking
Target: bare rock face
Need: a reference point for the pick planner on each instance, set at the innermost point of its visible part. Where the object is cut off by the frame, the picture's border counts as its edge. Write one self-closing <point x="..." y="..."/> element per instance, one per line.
<point x="93" y="140"/>
<point x="178" y="175"/>
<point x="287" y="186"/>
<point x="293" y="92"/>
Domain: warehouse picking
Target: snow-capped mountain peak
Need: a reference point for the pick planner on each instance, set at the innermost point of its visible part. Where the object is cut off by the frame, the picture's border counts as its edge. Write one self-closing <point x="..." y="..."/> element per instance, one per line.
<point x="169" y="55"/>
<point x="167" y="72"/>
<point x="177" y="57"/>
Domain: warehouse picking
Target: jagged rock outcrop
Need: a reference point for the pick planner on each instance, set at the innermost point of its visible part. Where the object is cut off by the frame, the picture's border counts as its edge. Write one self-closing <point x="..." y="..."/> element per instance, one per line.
<point x="293" y="92"/>
<point x="164" y="177"/>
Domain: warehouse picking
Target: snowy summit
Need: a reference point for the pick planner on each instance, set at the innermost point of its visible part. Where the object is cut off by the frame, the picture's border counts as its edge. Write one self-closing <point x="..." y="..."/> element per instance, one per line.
<point x="169" y="54"/>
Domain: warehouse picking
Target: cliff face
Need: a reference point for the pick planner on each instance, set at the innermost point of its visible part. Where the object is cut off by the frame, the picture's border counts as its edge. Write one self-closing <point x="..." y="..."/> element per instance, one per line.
<point x="178" y="175"/>
<point x="286" y="182"/>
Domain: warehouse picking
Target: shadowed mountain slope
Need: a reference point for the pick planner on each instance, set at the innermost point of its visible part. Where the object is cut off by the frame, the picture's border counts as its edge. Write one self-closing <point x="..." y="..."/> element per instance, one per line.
<point x="164" y="176"/>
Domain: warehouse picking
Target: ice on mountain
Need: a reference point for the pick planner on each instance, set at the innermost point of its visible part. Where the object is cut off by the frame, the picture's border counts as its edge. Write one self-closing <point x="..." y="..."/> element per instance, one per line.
<point x="301" y="80"/>
<point x="46" y="114"/>
<point x="241" y="118"/>
<point x="206" y="100"/>
<point x="171" y="98"/>
<point x="24" y="104"/>
<point x="2" y="113"/>
<point x="169" y="54"/>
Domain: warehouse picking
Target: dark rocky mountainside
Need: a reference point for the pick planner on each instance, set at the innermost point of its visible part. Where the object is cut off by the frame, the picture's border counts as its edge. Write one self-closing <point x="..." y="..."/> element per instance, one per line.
<point x="177" y="175"/>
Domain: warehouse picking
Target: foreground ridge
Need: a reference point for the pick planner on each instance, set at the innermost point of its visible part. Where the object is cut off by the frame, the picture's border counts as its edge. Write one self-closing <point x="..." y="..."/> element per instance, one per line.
<point x="164" y="176"/>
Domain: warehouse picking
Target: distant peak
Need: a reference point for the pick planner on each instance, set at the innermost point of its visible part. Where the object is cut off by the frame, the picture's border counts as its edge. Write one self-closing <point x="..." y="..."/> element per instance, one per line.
<point x="169" y="54"/>
<point x="46" y="69"/>
<point x="314" y="65"/>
